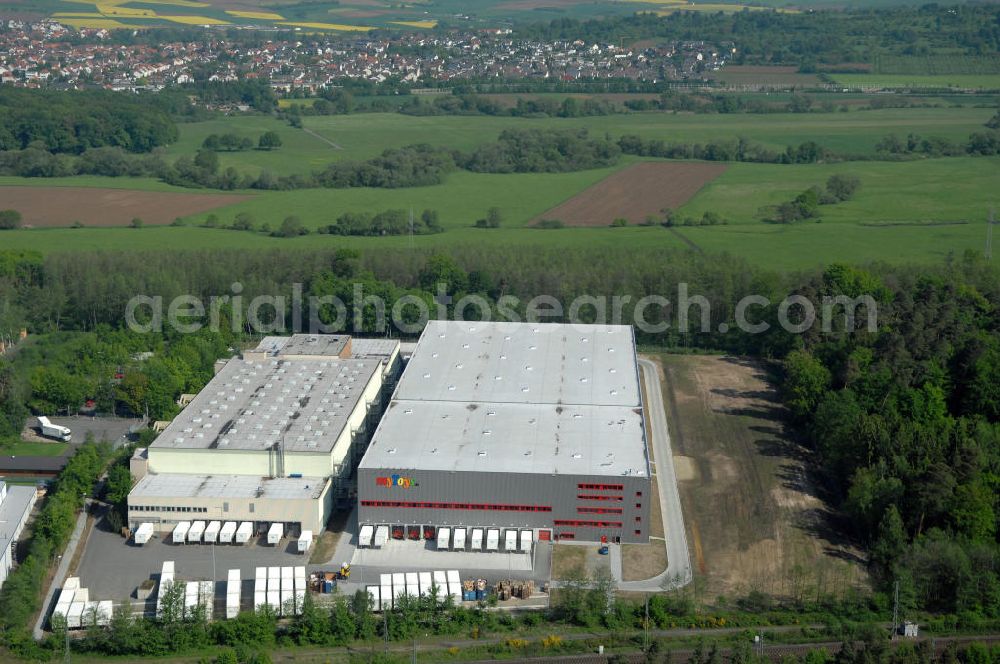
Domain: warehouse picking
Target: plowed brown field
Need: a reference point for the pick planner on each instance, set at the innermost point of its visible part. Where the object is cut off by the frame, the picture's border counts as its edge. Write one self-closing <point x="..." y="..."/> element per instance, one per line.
<point x="61" y="206"/>
<point x="635" y="192"/>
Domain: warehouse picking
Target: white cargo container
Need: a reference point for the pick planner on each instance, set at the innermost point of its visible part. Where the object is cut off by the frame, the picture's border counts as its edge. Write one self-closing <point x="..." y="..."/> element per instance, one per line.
<point x="181" y="531"/>
<point x="492" y="539"/>
<point x="274" y="599"/>
<point x="190" y="597"/>
<point x="510" y="540"/>
<point x="365" y="536"/>
<point x="412" y="584"/>
<point x="385" y="579"/>
<point x="441" y="581"/>
<point x="259" y="599"/>
<point x="71" y="582"/>
<point x="305" y="541"/>
<point x="374" y="596"/>
<point x="398" y="584"/>
<point x="212" y="532"/>
<point x="443" y="537"/>
<point x="275" y="533"/>
<point x="526" y="537"/>
<point x="458" y="539"/>
<point x="227" y="532"/>
<point x="455" y="586"/>
<point x="104" y="610"/>
<point x="286" y="602"/>
<point x="385" y="598"/>
<point x="74" y="619"/>
<point x="287" y="572"/>
<point x="244" y="532"/>
<point x="196" y="531"/>
<point x="425" y="583"/>
<point x="381" y="536"/>
<point x="232" y="606"/>
<point x="299" y="571"/>
<point x="143" y="533"/>
<point x="286" y="583"/>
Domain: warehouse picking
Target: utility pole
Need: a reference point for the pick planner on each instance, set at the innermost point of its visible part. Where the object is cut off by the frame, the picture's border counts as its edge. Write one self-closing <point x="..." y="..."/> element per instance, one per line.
<point x="895" y="610"/>
<point x="645" y="628"/>
<point x="989" y="235"/>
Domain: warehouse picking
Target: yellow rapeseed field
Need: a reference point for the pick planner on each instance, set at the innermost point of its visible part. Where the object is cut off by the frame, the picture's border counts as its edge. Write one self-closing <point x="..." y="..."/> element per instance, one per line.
<point x="328" y="26"/>
<point x="417" y="24"/>
<point x="194" y="20"/>
<point x="263" y="16"/>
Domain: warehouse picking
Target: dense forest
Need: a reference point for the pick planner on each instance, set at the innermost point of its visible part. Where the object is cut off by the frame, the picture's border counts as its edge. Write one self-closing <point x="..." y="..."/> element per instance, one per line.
<point x="71" y="122"/>
<point x="804" y="39"/>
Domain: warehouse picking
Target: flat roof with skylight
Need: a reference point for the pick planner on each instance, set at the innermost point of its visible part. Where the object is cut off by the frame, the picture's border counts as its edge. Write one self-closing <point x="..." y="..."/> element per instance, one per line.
<point x="517" y="398"/>
<point x="523" y="363"/>
<point x="252" y="405"/>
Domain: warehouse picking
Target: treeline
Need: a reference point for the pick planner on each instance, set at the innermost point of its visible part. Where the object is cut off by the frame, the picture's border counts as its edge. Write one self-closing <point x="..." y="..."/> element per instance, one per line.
<point x="981" y="143"/>
<point x="515" y="151"/>
<point x="806" y="39"/>
<point x="738" y="149"/>
<point x="21" y="595"/>
<point x="389" y="222"/>
<point x="72" y="122"/>
<point x="569" y="107"/>
<point x="905" y="422"/>
<point x="839" y="188"/>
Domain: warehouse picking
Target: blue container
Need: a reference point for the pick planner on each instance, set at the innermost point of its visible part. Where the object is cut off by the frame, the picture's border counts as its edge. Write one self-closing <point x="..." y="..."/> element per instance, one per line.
<point x="480" y="594"/>
<point x="328" y="585"/>
<point x="296" y="475"/>
<point x="469" y="595"/>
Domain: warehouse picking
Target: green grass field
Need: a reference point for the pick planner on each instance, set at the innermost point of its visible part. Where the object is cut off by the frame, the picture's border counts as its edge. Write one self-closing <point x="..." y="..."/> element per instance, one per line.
<point x="365" y="135"/>
<point x="929" y="190"/>
<point x="905" y="211"/>
<point x="923" y="81"/>
<point x="22" y="448"/>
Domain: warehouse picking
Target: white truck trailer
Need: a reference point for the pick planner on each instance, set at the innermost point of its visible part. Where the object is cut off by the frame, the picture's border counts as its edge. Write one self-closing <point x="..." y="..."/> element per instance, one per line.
<point x="54" y="431"/>
<point x="244" y="532"/>
<point x="227" y="532"/>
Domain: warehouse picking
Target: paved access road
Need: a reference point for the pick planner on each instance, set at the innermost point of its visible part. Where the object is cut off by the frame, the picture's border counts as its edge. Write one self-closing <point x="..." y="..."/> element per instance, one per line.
<point x="678" y="572"/>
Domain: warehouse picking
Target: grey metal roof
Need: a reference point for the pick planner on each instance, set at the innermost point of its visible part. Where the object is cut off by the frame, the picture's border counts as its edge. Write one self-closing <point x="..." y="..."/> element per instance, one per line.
<point x="14" y="510"/>
<point x="251" y="405"/>
<point x="516" y="397"/>
<point x="305" y="345"/>
<point x="512" y="438"/>
<point x="523" y="363"/>
<point x="380" y="348"/>
<point x="175" y="485"/>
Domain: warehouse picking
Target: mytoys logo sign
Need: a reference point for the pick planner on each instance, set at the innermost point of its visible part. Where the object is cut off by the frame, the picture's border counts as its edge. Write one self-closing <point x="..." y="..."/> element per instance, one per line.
<point x="395" y="481"/>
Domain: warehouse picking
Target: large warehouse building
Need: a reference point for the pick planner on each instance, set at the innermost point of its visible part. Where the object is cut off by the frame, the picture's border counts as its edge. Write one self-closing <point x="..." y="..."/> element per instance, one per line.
<point x="513" y="426"/>
<point x="273" y="438"/>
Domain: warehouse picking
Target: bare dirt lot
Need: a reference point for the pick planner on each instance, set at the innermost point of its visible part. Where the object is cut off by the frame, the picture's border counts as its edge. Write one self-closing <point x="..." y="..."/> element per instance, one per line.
<point x="61" y="206"/>
<point x="755" y="519"/>
<point x="634" y="193"/>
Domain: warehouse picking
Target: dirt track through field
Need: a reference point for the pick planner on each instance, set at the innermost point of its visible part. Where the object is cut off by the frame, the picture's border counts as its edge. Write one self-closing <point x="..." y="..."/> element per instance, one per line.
<point x="91" y="206"/>
<point x="635" y="192"/>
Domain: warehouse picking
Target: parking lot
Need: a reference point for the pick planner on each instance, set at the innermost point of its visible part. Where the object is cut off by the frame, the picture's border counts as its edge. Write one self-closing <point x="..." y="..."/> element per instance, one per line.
<point x="112" y="568"/>
<point x="111" y="429"/>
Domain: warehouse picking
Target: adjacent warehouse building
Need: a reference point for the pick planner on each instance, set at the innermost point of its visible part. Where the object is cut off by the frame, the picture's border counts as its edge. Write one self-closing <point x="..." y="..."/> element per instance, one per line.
<point x="16" y="503"/>
<point x="513" y="425"/>
<point x="273" y="438"/>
